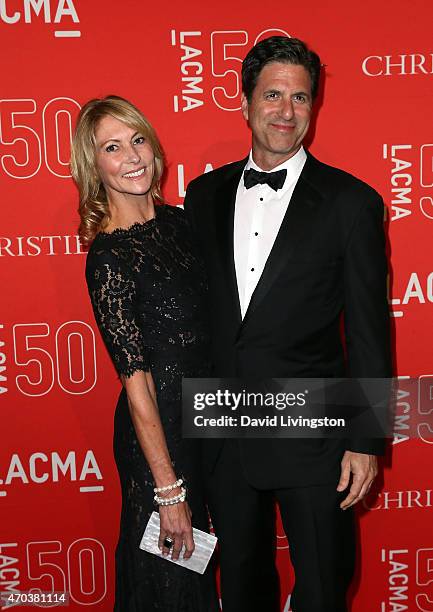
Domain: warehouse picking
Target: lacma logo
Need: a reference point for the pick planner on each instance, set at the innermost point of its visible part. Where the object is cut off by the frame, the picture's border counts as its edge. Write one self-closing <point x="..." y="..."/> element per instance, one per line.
<point x="50" y="11"/>
<point x="54" y="467"/>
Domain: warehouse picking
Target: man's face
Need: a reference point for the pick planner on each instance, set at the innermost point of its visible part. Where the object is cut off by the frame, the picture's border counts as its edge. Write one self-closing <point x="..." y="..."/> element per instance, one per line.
<point x="279" y="113"/>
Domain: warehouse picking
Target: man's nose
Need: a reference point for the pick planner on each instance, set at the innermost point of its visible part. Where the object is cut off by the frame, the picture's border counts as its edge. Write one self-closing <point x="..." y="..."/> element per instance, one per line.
<point x="287" y="108"/>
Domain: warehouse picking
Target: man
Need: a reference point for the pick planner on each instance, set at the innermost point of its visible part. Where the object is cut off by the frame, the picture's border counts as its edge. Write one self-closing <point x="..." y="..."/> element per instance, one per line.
<point x="290" y="246"/>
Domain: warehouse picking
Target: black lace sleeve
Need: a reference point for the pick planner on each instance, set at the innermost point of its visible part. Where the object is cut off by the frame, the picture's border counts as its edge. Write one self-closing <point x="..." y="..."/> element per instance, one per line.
<point x="113" y="295"/>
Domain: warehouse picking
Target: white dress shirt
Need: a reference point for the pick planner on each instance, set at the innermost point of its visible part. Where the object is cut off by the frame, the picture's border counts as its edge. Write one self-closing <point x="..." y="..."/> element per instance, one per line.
<point x="259" y="212"/>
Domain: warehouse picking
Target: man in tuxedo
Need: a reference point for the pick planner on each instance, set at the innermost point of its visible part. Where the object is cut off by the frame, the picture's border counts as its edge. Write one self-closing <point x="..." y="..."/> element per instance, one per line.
<point x="291" y="246"/>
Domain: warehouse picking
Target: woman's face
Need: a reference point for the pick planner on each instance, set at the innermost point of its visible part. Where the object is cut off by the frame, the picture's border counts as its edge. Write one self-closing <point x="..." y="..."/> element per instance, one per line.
<point x="124" y="159"/>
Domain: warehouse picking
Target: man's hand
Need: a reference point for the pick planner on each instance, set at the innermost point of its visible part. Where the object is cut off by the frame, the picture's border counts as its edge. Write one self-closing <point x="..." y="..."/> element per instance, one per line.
<point x="364" y="470"/>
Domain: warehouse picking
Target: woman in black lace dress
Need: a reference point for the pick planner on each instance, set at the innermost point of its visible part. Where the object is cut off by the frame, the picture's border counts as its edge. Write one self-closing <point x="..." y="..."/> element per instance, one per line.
<point x="147" y="289"/>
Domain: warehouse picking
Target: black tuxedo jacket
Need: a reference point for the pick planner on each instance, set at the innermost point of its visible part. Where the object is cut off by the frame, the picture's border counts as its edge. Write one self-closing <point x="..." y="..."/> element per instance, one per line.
<point x="328" y="260"/>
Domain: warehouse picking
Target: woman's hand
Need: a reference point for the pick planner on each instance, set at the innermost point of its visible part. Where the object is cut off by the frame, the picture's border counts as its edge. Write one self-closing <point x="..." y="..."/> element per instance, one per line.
<point x="175" y="523"/>
<point x="175" y="519"/>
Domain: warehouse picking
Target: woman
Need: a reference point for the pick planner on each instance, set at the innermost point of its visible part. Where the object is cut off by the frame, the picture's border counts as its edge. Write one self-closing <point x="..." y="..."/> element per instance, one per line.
<point x="147" y="289"/>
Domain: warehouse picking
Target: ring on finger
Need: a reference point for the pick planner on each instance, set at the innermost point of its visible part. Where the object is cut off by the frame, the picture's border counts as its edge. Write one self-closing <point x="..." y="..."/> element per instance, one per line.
<point x="168" y="542"/>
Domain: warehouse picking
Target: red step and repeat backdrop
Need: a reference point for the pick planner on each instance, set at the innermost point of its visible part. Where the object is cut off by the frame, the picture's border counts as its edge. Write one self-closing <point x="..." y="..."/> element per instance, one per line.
<point x="180" y="63"/>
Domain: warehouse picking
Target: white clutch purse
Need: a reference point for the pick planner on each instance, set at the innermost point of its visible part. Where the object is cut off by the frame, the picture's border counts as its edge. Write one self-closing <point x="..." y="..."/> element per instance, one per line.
<point x="204" y="546"/>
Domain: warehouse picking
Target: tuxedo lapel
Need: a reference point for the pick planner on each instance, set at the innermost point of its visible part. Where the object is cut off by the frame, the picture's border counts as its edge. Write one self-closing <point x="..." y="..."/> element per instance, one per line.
<point x="225" y="211"/>
<point x="296" y="223"/>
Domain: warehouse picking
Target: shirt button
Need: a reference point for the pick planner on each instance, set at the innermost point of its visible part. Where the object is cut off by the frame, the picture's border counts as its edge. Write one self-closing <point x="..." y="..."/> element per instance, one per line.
<point x="261" y="199"/>
<point x="252" y="269"/>
<point x="256" y="233"/>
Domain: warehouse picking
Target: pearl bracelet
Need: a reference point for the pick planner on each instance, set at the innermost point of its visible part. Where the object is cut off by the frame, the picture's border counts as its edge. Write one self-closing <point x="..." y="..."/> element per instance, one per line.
<point x="176" y="484"/>
<point x="171" y="501"/>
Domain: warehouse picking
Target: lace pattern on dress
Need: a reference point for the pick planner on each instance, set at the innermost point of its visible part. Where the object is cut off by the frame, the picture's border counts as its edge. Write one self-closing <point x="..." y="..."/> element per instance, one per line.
<point x="113" y="294"/>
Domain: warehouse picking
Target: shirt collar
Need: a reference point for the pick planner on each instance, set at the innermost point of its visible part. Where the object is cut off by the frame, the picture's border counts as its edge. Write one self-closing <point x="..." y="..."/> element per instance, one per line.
<point x="293" y="165"/>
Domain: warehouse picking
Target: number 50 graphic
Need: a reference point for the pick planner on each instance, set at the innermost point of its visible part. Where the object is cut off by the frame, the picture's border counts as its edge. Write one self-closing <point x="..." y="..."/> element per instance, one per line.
<point x="24" y="144"/>
<point x="85" y="558"/>
<point x="226" y="64"/>
<point x="424" y="577"/>
<point x="73" y="364"/>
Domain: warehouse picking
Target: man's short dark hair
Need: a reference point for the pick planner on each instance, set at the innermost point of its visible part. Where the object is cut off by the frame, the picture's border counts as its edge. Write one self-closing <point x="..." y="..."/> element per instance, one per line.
<point x="279" y="49"/>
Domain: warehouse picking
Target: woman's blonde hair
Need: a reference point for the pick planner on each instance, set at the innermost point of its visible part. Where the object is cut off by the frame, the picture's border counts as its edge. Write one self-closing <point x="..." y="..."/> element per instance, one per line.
<point x="93" y="207"/>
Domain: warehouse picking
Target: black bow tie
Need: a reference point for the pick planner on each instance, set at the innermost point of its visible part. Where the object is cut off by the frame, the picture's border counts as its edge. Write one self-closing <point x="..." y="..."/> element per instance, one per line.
<point x="273" y="179"/>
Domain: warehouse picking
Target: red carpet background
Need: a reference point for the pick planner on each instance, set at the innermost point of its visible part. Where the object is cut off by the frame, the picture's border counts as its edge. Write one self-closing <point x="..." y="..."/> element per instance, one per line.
<point x="180" y="63"/>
